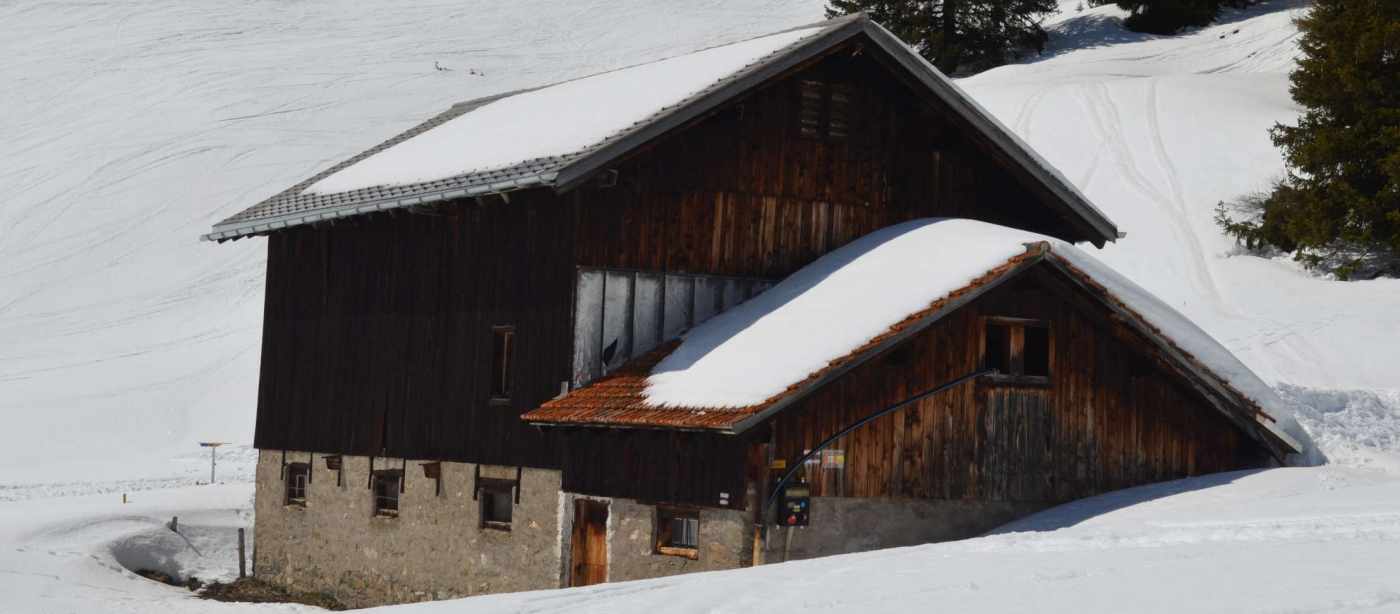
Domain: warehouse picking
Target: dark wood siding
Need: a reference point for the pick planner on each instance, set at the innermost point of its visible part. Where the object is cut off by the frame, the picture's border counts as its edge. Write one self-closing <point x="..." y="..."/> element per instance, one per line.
<point x="1111" y="417"/>
<point x="377" y="331"/>
<point x="656" y="465"/>
<point x="745" y="193"/>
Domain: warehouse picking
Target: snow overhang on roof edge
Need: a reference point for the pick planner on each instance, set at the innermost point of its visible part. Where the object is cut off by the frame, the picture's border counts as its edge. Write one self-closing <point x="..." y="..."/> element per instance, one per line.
<point x="578" y="167"/>
<point x="1217" y="389"/>
<point x="225" y="232"/>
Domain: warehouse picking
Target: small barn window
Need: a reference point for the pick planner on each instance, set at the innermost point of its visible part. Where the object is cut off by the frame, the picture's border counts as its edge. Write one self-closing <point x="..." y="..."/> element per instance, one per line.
<point x="824" y="109"/>
<point x="502" y="347"/>
<point x="298" y="474"/>
<point x="497" y="504"/>
<point x="1019" y="349"/>
<point x="387" y="485"/>
<point x="997" y="348"/>
<point x="678" y="531"/>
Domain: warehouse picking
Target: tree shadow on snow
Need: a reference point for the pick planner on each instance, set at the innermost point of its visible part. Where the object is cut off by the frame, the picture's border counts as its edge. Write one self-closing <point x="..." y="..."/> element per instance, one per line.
<point x="1076" y="512"/>
<point x="1097" y="29"/>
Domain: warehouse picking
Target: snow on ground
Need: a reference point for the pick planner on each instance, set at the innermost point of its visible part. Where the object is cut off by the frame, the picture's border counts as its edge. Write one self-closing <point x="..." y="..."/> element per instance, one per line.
<point x="235" y="464"/>
<point x="1293" y="540"/>
<point x="1156" y="131"/>
<point x="130" y="127"/>
<point x="66" y="555"/>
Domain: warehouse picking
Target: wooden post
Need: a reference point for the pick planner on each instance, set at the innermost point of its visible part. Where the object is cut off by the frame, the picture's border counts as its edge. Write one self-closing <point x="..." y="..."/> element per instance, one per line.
<point x="242" y="565"/>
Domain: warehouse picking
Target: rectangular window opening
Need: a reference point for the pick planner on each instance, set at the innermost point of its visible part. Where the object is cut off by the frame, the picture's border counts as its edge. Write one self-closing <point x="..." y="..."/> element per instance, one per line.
<point x="824" y="109"/>
<point x="497" y="506"/>
<point x="998" y="348"/>
<point x="387" y="484"/>
<point x="1019" y="349"/>
<point x="298" y="474"/>
<point x="838" y="122"/>
<point x="678" y="532"/>
<point x="1036" y="354"/>
<point x="502" y="347"/>
<point x="810" y="111"/>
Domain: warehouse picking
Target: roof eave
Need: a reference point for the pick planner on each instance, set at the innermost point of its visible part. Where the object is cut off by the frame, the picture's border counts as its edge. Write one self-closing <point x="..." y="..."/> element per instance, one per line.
<point x="224" y="232"/>
<point x="1220" y="394"/>
<point x="1216" y="391"/>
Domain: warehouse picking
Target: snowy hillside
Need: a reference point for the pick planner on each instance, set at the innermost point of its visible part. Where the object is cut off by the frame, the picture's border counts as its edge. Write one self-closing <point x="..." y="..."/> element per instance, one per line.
<point x="130" y="129"/>
<point x="1157" y="131"/>
<point x="127" y="129"/>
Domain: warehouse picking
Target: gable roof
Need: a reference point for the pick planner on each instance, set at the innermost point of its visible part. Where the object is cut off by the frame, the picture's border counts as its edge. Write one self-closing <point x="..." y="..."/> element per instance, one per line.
<point x="559" y="135"/>
<point x="744" y="365"/>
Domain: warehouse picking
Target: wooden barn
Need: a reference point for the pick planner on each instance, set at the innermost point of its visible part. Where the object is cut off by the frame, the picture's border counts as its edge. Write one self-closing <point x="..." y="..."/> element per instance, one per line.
<point x="582" y="332"/>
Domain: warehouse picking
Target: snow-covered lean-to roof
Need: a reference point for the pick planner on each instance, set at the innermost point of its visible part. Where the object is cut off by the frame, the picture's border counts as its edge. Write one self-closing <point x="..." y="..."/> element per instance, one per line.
<point x="561" y="134"/>
<point x="743" y="365"/>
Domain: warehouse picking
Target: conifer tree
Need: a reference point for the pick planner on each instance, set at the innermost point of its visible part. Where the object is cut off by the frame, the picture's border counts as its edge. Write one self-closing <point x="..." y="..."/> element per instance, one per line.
<point x="955" y="35"/>
<point x="1168" y="16"/>
<point x="1339" y="206"/>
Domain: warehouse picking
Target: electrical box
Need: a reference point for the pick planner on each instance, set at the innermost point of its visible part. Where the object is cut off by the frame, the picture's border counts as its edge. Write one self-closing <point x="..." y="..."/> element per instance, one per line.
<point x="795" y="506"/>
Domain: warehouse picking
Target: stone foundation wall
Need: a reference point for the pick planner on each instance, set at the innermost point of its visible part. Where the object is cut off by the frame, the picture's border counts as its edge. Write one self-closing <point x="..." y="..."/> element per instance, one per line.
<point x="435" y="549"/>
<point x="850" y="524"/>
<point x="725" y="541"/>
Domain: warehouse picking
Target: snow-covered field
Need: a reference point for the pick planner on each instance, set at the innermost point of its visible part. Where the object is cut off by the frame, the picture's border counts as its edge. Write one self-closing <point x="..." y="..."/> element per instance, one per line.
<point x="126" y="129"/>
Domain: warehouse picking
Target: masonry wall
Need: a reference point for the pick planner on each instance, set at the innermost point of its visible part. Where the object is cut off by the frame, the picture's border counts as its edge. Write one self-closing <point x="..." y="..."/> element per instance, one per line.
<point x="434" y="549"/>
<point x="725" y="541"/>
<point x="857" y="524"/>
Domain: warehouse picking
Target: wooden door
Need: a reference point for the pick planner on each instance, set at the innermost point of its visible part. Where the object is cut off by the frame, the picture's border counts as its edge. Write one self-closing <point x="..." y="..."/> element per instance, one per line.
<point x="590" y="543"/>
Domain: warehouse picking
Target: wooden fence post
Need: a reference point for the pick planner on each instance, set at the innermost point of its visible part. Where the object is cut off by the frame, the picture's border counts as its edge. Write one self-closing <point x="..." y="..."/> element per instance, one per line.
<point x="242" y="566"/>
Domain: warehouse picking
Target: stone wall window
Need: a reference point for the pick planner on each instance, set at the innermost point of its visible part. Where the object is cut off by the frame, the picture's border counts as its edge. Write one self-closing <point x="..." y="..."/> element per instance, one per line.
<point x="298" y="475"/>
<point x="387" y="485"/>
<point x="678" y="531"/>
<point x="497" y="504"/>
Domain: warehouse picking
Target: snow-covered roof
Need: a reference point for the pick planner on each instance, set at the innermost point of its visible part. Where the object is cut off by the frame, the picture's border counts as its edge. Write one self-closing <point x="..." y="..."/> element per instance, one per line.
<point x="560" y="134"/>
<point x="742" y="365"/>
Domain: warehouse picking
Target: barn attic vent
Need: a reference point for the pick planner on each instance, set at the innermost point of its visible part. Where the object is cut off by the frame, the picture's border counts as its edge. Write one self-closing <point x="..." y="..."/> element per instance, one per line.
<point x="824" y="109"/>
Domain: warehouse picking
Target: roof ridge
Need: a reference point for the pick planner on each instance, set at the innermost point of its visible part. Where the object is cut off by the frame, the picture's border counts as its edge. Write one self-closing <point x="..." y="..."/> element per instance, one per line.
<point x="461" y="183"/>
<point x="567" y="166"/>
<point x="826" y="23"/>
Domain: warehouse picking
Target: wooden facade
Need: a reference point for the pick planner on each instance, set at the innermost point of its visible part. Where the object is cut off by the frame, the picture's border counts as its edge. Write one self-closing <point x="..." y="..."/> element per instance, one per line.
<point x="748" y="192"/>
<point x="377" y="332"/>
<point x="1110" y="414"/>
<point x="377" y="328"/>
